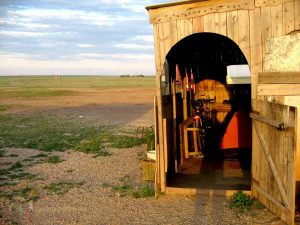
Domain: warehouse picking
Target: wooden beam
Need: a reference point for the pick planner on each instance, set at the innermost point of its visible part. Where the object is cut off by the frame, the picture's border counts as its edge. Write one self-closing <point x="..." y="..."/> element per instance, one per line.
<point x="261" y="3"/>
<point x="272" y="166"/>
<point x="256" y="48"/>
<point x="165" y="144"/>
<point x="203" y="192"/>
<point x="274" y="123"/>
<point x="196" y="9"/>
<point x="278" y="89"/>
<point x="279" y="78"/>
<point x="269" y="197"/>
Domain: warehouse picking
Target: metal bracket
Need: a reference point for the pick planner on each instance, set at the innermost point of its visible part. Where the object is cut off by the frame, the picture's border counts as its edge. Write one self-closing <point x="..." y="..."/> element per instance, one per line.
<point x="279" y="125"/>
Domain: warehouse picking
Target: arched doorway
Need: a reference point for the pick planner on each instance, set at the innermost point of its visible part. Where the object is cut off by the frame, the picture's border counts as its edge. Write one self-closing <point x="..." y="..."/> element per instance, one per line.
<point x="207" y="75"/>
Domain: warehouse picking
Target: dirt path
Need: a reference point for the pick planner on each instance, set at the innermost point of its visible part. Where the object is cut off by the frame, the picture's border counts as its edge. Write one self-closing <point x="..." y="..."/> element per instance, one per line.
<point x="91" y="200"/>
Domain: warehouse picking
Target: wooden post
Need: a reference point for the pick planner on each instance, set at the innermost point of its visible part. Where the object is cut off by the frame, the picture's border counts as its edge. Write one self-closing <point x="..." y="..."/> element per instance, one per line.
<point x="174" y="125"/>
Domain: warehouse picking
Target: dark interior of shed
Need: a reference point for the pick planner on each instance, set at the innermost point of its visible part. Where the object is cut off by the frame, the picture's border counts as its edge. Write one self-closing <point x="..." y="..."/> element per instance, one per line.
<point x="210" y="128"/>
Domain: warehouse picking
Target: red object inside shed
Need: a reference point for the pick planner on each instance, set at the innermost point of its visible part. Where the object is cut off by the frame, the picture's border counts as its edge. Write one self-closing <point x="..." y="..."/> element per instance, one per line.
<point x="238" y="133"/>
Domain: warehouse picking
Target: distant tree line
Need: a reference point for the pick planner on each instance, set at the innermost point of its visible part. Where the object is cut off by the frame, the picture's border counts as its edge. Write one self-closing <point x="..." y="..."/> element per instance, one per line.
<point x="138" y="75"/>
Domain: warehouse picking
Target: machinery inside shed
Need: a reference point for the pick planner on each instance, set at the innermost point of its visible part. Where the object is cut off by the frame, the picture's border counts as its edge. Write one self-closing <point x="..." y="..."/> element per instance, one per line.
<point x="206" y="96"/>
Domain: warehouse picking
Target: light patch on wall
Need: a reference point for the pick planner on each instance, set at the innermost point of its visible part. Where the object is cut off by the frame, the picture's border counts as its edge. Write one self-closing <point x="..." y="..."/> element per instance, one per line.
<point x="283" y="54"/>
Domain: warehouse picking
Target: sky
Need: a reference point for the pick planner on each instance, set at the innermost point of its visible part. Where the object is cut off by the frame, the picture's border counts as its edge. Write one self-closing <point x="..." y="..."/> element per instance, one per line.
<point x="76" y="37"/>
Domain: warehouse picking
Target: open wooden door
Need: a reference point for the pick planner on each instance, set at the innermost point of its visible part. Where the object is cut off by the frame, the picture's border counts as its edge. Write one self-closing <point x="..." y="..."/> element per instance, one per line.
<point x="273" y="157"/>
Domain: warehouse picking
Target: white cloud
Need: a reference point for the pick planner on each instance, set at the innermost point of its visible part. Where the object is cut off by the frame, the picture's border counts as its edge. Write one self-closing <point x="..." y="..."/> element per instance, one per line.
<point x="116" y="1"/>
<point x="29" y="34"/>
<point x="146" y="38"/>
<point x="26" y="23"/>
<point x="90" y="17"/>
<point x="132" y="46"/>
<point x="85" y="46"/>
<point x="25" y="65"/>
<point x="129" y="57"/>
<point x="135" y="7"/>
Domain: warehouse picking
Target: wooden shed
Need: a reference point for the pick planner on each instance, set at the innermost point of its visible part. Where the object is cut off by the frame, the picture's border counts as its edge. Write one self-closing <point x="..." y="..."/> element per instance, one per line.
<point x="234" y="66"/>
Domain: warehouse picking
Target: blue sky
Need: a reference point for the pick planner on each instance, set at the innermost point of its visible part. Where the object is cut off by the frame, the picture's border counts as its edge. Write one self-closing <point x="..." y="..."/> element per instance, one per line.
<point x="76" y="37"/>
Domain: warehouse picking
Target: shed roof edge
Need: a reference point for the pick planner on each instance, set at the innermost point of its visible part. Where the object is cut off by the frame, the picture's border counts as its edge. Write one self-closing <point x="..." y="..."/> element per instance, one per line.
<point x="173" y="4"/>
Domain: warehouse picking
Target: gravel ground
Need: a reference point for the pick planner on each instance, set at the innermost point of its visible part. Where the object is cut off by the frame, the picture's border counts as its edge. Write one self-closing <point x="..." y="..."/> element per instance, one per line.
<point x="96" y="203"/>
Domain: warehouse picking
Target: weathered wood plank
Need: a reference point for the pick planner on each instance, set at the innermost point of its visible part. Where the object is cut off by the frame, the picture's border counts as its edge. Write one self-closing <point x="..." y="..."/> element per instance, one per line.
<point x="280" y="125"/>
<point x="196" y="9"/>
<point x="209" y="22"/>
<point x="212" y="23"/>
<point x="158" y="60"/>
<point x="202" y="192"/>
<point x="184" y="28"/>
<point x="256" y="47"/>
<point x="270" y="197"/>
<point x="277" y="21"/>
<point x="244" y="33"/>
<point x="279" y="78"/>
<point x="174" y="124"/>
<point x="266" y="26"/>
<point x="165" y="144"/>
<point x="233" y="26"/>
<point x="288" y="17"/>
<point x="169" y="36"/>
<point x="273" y="168"/>
<point x="297" y="14"/>
<point x="261" y="3"/>
<point x="223" y="23"/>
<point x="198" y="25"/>
<point x="278" y="89"/>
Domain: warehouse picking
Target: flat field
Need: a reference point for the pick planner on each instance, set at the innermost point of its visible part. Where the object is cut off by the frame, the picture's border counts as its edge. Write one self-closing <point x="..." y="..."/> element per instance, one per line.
<point x="70" y="152"/>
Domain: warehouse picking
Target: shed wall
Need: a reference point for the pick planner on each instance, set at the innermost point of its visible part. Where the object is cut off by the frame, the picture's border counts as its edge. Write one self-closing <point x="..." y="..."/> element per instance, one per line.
<point x="249" y="23"/>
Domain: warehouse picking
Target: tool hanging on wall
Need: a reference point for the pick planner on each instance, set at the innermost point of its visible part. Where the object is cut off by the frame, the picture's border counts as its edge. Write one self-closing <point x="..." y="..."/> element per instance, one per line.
<point x="187" y="80"/>
<point x="193" y="83"/>
<point x="178" y="77"/>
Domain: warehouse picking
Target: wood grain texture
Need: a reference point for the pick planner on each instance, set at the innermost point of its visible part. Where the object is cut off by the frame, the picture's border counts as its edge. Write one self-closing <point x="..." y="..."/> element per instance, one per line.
<point x="277" y="21"/>
<point x="255" y="48"/>
<point x="279" y="78"/>
<point x="297" y="14"/>
<point x="232" y="26"/>
<point x="273" y="169"/>
<point x="261" y="3"/>
<point x="278" y="89"/>
<point x="198" y="25"/>
<point x="288" y="17"/>
<point x="197" y="9"/>
<point x="244" y="33"/>
<point x="266" y="27"/>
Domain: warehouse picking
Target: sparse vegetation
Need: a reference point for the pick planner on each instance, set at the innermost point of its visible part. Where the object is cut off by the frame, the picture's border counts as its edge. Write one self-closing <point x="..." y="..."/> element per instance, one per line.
<point x="42" y="155"/>
<point x="125" y="141"/>
<point x="144" y="191"/>
<point x="4" y="172"/>
<point x="16" y="166"/>
<point x="22" y="176"/>
<point x="62" y="187"/>
<point x="243" y="202"/>
<point x="22" y="195"/>
<point x="92" y="146"/>
<point x="4" y="108"/>
<point x="2" y="153"/>
<point x="53" y="159"/>
<point x="7" y="184"/>
<point x="42" y="132"/>
<point x="126" y="188"/>
<point x="13" y="155"/>
<point x="45" y="133"/>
